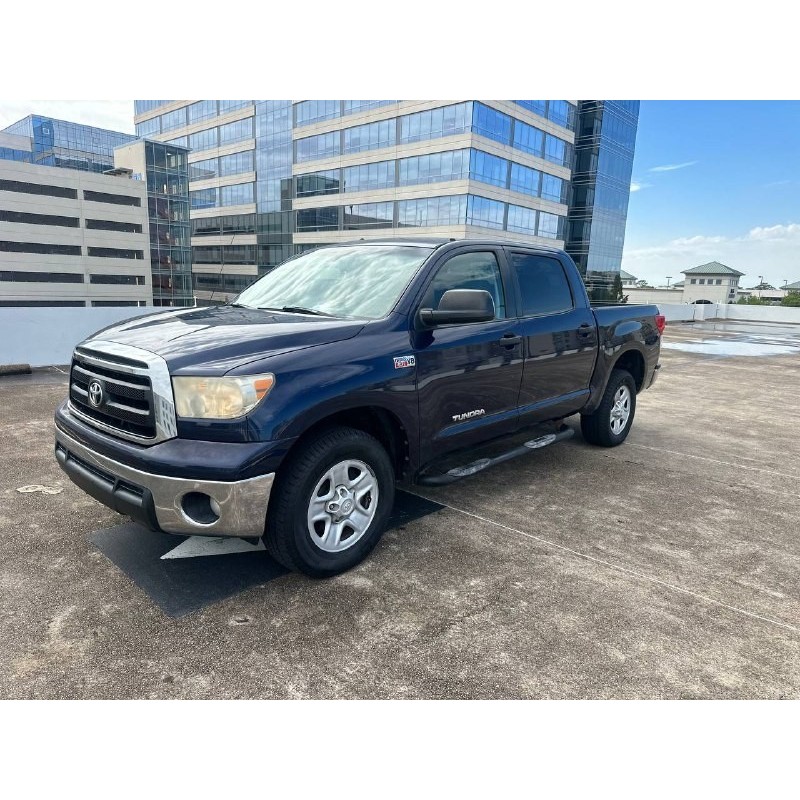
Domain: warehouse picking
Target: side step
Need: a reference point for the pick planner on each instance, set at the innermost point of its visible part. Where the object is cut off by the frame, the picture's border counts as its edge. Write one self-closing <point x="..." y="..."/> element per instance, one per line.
<point x="481" y="464"/>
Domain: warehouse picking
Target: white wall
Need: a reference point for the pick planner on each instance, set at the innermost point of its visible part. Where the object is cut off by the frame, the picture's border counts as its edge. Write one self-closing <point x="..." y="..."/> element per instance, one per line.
<point x="45" y="336"/>
<point x="647" y="294"/>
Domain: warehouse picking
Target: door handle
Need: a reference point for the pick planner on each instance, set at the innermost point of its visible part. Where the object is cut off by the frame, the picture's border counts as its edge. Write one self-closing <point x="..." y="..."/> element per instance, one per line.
<point x="585" y="329"/>
<point x="510" y="340"/>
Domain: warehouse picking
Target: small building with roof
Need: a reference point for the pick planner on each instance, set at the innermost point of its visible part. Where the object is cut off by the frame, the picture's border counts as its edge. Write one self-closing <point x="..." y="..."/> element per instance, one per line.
<point x="713" y="282"/>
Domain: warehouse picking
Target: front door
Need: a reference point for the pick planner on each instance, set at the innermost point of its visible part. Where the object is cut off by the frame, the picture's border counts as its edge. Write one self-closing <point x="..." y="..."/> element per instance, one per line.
<point x="468" y="376"/>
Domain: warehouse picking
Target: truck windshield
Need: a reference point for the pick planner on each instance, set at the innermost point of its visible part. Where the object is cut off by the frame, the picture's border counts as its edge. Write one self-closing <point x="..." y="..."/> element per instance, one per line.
<point x="358" y="281"/>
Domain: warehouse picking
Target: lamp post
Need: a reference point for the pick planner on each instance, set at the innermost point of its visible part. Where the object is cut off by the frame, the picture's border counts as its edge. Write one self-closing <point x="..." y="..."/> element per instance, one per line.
<point x="669" y="278"/>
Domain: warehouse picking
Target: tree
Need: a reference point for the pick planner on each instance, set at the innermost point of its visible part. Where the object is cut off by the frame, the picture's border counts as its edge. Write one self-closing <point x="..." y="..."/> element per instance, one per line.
<point x="791" y="299"/>
<point x="616" y="291"/>
<point x="643" y="284"/>
<point x="753" y="301"/>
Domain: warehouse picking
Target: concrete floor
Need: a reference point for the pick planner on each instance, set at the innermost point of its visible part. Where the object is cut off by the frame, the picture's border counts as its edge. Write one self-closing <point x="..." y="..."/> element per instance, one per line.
<point x="665" y="568"/>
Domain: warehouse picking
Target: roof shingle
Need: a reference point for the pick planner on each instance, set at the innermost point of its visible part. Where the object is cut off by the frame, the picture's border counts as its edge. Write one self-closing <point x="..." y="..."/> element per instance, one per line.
<point x="712" y="268"/>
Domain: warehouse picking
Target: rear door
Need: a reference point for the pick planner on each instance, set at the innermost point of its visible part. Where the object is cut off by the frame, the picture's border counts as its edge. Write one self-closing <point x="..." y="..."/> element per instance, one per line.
<point x="468" y="375"/>
<point x="560" y="337"/>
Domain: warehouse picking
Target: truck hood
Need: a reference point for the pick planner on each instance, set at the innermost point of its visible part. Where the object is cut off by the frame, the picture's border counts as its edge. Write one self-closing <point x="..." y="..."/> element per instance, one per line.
<point x="216" y="339"/>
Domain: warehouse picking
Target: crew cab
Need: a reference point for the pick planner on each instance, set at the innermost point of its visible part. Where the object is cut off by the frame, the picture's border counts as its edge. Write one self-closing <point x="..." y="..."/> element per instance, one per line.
<point x="292" y="412"/>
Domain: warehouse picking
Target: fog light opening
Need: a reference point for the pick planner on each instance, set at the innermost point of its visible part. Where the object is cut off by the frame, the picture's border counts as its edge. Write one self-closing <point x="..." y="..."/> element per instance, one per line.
<point x="200" y="508"/>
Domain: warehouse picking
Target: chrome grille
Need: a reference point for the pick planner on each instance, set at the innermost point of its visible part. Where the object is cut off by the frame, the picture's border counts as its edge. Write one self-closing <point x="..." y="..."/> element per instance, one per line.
<point x="127" y="397"/>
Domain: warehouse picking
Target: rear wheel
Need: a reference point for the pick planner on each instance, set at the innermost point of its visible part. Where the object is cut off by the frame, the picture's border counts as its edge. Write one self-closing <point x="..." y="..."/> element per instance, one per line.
<point x="331" y="503"/>
<point x="610" y="424"/>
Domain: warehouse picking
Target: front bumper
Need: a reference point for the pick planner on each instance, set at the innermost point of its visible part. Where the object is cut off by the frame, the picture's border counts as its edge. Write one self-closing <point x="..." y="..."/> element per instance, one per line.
<point x="170" y="504"/>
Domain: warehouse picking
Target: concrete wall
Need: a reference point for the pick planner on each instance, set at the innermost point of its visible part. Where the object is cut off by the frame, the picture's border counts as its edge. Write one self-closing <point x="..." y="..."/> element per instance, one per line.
<point x="675" y="312"/>
<point x="650" y="295"/>
<point x="45" y="336"/>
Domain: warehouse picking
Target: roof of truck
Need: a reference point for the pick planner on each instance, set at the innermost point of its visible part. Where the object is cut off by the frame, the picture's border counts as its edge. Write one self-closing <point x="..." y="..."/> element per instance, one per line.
<point x="434" y="242"/>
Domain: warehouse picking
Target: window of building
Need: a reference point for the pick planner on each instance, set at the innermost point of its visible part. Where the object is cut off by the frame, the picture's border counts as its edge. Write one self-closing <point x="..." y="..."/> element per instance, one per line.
<point x="38" y="188"/>
<point x="318" y="219"/>
<point x="114" y="252"/>
<point x="701" y="280"/>
<point x="452" y="165"/>
<point x="309" y="111"/>
<point x="118" y="280"/>
<point x="22" y="276"/>
<point x="525" y="179"/>
<point x="528" y="139"/>
<point x="204" y="109"/>
<point x="491" y="123"/>
<point x="39" y="219"/>
<point x="435" y="123"/>
<point x="549" y="225"/>
<point x="237" y="131"/>
<point x="544" y="288"/>
<point x="204" y="140"/>
<point x="112" y="225"/>
<point x="42" y="303"/>
<point x="173" y="119"/>
<point x="521" y="220"/>
<point x="553" y="188"/>
<point x="354" y="106"/>
<point x="114" y="199"/>
<point x="557" y="150"/>
<point x="314" y="147"/>
<point x="203" y="170"/>
<point x="693" y="280"/>
<point x="430" y="211"/>
<point x="370" y="137"/>
<point x="41" y="248"/>
<point x="719" y="281"/>
<point x="236" y="195"/>
<point x="203" y="198"/>
<point x="149" y="128"/>
<point x="379" y="175"/>
<point x="317" y="183"/>
<point x="181" y="141"/>
<point x="468" y="271"/>
<point x="226" y="106"/>
<point x="110" y="303"/>
<point x="236" y="164"/>
<point x="484" y="212"/>
<point x="488" y="169"/>
<point x="368" y="215"/>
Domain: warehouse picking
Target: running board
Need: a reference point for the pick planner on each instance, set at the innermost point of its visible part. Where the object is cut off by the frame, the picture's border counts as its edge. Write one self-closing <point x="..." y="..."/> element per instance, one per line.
<point x="457" y="473"/>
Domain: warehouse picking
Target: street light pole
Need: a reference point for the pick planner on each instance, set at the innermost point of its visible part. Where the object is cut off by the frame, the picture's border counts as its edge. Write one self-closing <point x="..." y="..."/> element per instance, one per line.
<point x="669" y="278"/>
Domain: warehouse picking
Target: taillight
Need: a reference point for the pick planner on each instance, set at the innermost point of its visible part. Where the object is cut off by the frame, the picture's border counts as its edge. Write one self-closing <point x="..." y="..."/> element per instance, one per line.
<point x="661" y="323"/>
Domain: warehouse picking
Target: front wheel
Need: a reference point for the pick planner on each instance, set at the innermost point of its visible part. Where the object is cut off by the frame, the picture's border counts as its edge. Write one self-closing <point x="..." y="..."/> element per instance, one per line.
<point x="610" y="424"/>
<point x="331" y="503"/>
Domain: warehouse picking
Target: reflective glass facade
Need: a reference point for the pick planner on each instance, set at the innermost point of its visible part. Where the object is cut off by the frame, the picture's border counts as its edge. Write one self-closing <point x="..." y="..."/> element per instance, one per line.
<point x="56" y="143"/>
<point x="604" y="147"/>
<point x="325" y="167"/>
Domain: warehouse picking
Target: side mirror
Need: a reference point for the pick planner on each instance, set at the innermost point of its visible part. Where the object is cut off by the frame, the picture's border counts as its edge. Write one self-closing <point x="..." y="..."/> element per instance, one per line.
<point x="458" y="307"/>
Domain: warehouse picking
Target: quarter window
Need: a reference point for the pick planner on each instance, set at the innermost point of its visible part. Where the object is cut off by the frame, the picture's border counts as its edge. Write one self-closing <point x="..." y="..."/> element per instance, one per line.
<point x="468" y="271"/>
<point x="542" y="283"/>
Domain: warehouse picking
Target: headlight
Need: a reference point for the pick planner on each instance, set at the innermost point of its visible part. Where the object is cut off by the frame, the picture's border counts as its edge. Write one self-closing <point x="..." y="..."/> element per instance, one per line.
<point x="220" y="398"/>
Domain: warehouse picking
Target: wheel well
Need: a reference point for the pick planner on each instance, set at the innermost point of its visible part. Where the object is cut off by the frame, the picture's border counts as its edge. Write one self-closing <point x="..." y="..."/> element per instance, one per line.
<point x="633" y="362"/>
<point x="375" y="421"/>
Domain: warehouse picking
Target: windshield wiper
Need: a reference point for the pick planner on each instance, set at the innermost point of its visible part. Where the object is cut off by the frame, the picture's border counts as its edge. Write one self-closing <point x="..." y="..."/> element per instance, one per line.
<point x="297" y="310"/>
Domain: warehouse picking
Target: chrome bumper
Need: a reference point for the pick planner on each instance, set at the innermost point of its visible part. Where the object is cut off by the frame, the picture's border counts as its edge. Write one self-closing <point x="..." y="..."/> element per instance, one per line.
<point x="241" y="506"/>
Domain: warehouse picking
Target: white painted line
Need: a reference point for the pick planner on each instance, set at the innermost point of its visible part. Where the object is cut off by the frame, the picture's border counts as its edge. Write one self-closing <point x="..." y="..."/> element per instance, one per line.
<point x="715" y="461"/>
<point x="196" y="546"/>
<point x="642" y="575"/>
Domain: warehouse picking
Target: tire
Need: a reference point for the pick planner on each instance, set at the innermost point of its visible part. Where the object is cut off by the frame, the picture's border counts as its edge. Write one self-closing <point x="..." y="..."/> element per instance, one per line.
<point x="608" y="426"/>
<point x="341" y="465"/>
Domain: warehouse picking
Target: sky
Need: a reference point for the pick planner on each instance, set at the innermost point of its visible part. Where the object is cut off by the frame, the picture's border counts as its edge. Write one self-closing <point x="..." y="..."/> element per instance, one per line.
<point x="715" y="181"/>
<point x="712" y="181"/>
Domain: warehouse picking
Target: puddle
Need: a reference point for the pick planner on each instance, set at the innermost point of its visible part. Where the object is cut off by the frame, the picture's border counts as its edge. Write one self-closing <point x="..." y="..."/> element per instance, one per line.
<point x="725" y="347"/>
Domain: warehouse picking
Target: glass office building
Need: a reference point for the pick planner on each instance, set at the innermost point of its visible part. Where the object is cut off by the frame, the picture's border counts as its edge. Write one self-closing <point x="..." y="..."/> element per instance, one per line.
<point x="601" y="179"/>
<point x="272" y="178"/>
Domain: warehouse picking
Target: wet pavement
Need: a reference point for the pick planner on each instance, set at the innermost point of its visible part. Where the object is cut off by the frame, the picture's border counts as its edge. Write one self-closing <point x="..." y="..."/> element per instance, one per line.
<point x="726" y="339"/>
<point x="665" y="568"/>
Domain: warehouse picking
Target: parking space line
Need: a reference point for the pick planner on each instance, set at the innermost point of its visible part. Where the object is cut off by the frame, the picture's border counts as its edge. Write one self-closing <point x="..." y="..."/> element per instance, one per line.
<point x="714" y="460"/>
<point x="619" y="568"/>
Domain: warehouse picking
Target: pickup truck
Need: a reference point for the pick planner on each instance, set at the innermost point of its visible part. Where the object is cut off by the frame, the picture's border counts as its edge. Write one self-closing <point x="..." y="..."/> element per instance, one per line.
<point x="291" y="413"/>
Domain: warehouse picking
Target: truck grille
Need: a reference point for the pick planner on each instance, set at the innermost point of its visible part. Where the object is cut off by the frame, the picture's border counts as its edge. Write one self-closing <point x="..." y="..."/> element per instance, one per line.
<point x="125" y="394"/>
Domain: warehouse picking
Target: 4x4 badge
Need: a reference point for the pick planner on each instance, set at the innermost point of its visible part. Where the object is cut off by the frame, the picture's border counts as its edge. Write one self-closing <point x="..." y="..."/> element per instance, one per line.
<point x="401" y="362"/>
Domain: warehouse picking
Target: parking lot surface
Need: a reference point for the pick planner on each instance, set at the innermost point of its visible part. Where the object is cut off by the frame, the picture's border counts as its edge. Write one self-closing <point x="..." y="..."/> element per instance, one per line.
<point x="665" y="568"/>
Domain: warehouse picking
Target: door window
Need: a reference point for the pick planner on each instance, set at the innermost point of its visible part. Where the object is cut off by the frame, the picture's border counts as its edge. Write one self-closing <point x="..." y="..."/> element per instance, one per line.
<point x="468" y="271"/>
<point x="542" y="283"/>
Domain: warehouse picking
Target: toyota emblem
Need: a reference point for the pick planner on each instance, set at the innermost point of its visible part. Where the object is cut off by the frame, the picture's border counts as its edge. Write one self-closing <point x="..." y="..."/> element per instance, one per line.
<point x="96" y="394"/>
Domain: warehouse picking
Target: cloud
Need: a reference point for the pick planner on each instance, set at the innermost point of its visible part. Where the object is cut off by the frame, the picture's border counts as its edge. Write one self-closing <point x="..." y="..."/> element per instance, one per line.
<point x="671" y="167"/>
<point x="115" y="115"/>
<point x="770" y="251"/>
<point x="637" y="186"/>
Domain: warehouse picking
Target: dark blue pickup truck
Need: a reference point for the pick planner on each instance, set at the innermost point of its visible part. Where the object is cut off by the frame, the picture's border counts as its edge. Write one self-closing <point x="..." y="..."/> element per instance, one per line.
<point x="291" y="413"/>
